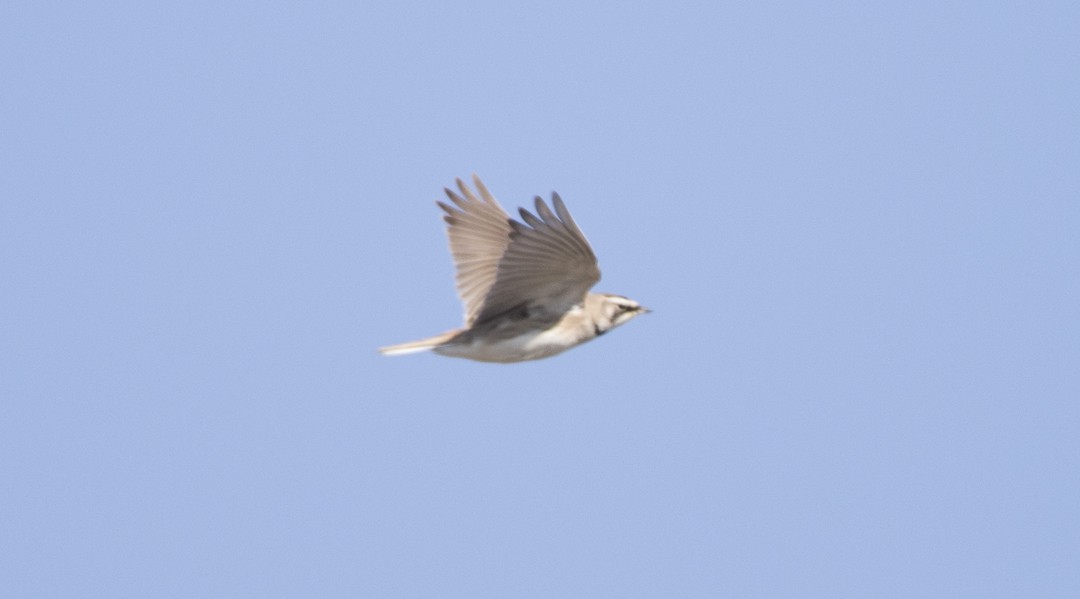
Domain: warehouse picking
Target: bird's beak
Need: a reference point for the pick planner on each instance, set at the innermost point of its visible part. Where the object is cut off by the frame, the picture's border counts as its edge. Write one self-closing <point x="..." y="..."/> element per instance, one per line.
<point x="644" y="310"/>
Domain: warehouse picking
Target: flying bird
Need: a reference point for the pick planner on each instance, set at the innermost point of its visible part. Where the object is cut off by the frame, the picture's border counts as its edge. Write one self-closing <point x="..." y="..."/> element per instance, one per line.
<point x="525" y="284"/>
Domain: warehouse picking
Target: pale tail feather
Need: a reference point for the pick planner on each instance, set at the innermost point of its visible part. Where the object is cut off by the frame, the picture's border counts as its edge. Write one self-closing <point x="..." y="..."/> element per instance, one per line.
<point x="413" y="347"/>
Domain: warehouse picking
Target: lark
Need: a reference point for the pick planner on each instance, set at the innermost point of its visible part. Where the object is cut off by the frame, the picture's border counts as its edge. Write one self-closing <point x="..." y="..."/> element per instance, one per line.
<point x="525" y="284"/>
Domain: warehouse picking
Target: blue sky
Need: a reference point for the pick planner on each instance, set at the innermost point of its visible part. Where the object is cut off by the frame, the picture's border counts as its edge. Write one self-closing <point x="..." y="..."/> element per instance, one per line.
<point x="856" y="224"/>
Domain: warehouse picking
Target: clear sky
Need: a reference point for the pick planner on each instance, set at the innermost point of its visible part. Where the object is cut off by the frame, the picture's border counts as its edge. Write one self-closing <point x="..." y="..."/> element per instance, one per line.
<point x="857" y="225"/>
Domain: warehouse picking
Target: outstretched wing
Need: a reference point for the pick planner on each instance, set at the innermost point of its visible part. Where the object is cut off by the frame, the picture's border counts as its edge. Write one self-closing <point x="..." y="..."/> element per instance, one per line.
<point x="547" y="264"/>
<point x="479" y="231"/>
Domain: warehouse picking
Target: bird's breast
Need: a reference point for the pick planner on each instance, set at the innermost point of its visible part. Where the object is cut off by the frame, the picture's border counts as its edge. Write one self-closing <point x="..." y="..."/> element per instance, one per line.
<point x="525" y="344"/>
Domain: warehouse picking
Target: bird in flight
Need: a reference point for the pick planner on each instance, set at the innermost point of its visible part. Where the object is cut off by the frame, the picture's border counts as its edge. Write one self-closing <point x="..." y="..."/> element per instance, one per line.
<point x="525" y="284"/>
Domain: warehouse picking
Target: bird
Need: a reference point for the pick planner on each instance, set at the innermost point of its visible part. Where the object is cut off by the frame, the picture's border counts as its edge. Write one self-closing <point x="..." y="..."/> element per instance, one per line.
<point x="524" y="283"/>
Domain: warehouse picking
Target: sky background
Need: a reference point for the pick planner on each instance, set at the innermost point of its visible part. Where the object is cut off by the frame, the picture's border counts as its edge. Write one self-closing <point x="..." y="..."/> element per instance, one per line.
<point x="857" y="225"/>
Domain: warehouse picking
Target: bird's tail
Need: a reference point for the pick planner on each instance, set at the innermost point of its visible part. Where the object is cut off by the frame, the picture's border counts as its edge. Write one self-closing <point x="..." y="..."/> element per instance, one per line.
<point x="417" y="346"/>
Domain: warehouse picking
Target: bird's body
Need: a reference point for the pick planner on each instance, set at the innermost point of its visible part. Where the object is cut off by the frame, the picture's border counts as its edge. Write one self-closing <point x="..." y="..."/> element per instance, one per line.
<point x="514" y="339"/>
<point x="524" y="285"/>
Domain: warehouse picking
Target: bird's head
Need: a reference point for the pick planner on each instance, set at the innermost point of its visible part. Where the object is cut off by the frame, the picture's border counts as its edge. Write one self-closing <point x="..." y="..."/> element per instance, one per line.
<point x="613" y="310"/>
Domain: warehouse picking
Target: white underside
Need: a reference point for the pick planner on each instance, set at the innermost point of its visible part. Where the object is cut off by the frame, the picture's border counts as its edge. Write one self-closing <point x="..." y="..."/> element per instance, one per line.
<point x="530" y="346"/>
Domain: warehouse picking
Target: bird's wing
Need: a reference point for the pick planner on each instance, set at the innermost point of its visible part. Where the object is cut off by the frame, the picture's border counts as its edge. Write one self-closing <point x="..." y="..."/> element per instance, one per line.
<point x="548" y="263"/>
<point x="479" y="231"/>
